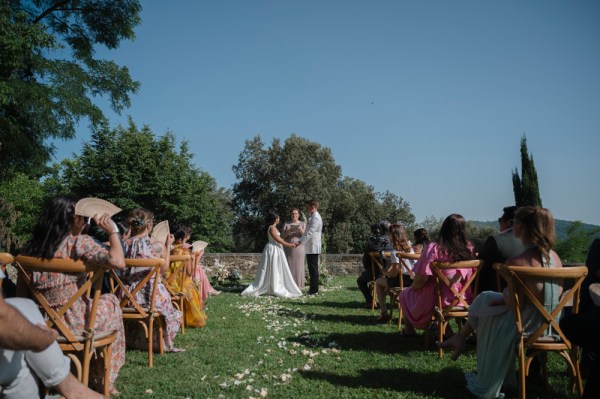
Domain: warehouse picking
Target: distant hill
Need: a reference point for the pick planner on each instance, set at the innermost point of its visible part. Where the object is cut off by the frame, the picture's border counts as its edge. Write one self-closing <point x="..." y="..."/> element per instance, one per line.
<point x="562" y="226"/>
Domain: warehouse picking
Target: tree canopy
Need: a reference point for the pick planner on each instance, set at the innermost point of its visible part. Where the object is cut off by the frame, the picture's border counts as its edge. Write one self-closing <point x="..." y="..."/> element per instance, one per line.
<point x="131" y="168"/>
<point x="286" y="176"/>
<point x="44" y="92"/>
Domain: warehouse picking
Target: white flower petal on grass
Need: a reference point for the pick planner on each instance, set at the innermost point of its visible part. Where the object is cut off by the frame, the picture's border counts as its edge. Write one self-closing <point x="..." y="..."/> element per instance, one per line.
<point x="223" y="385"/>
<point x="237" y="382"/>
<point x="249" y="388"/>
<point x="149" y="391"/>
<point x="306" y="367"/>
<point x="264" y="392"/>
<point x="203" y="377"/>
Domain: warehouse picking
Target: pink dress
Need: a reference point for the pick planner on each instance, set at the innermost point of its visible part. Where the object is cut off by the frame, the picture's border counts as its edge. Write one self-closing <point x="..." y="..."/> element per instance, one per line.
<point x="202" y="281"/>
<point x="418" y="305"/>
<point x="59" y="287"/>
<point x="141" y="247"/>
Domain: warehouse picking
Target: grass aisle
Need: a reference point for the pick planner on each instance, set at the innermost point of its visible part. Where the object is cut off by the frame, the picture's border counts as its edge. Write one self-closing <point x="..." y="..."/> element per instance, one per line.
<point x="326" y="346"/>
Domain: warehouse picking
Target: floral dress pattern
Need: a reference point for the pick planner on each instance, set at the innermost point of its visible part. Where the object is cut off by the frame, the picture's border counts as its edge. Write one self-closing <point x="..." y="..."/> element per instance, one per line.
<point x="141" y="247"/>
<point x="194" y="305"/>
<point x="57" y="288"/>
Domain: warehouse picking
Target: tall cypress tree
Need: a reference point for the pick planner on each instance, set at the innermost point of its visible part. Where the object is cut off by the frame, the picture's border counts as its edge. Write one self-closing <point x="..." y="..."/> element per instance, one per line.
<point x="526" y="187"/>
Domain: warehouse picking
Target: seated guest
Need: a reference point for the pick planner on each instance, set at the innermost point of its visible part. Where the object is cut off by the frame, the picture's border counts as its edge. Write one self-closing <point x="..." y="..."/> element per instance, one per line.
<point x="377" y="242"/>
<point x="194" y="305"/>
<point x="418" y="300"/>
<point x="497" y="249"/>
<point x="583" y="328"/>
<point x="201" y="279"/>
<point x="421" y="239"/>
<point x="390" y="275"/>
<point x="139" y="245"/>
<point x="29" y="352"/>
<point x="58" y="234"/>
<point x="496" y="330"/>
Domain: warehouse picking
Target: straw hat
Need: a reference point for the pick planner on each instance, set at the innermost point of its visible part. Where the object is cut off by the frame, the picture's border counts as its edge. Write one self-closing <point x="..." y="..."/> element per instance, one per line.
<point x="160" y="232"/>
<point x="90" y="206"/>
<point x="199" y="245"/>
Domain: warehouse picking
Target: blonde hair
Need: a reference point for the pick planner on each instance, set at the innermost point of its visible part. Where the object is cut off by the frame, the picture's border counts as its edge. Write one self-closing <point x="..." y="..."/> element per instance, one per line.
<point x="537" y="227"/>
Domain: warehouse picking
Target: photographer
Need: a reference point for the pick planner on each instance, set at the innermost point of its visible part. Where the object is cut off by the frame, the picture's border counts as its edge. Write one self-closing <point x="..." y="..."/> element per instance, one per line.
<point x="378" y="242"/>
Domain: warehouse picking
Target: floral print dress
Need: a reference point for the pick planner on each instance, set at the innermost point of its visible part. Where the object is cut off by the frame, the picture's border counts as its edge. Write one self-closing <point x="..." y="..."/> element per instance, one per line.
<point x="58" y="288"/>
<point x="141" y="247"/>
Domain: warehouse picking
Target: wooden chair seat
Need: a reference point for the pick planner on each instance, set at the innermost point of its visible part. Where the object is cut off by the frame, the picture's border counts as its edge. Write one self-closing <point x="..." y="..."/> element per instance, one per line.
<point x="70" y="342"/>
<point x="458" y="308"/>
<point x="537" y="343"/>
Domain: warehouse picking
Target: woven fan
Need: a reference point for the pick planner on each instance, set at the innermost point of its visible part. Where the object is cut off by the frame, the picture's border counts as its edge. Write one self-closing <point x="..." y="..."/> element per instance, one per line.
<point x="199" y="245"/>
<point x="160" y="232"/>
<point x="91" y="206"/>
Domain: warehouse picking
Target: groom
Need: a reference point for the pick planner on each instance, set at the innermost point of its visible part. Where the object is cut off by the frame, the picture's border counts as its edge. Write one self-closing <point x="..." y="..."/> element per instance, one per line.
<point x="312" y="244"/>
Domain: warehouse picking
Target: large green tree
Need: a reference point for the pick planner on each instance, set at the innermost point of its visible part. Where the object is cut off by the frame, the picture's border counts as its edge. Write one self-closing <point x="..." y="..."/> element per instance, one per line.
<point x="525" y="187"/>
<point x="132" y="167"/>
<point x="50" y="75"/>
<point x="284" y="176"/>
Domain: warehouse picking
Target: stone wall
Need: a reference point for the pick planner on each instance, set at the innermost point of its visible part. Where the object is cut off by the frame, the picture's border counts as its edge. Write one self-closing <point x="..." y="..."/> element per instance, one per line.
<point x="338" y="265"/>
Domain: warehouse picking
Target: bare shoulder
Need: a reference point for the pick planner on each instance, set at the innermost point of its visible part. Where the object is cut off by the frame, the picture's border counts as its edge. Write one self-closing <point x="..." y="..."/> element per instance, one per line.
<point x="556" y="259"/>
<point x="528" y="257"/>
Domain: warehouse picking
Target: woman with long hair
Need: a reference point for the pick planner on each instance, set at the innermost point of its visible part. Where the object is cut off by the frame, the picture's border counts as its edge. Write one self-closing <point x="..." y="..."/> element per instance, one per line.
<point x="418" y="300"/>
<point x="58" y="233"/>
<point x="139" y="245"/>
<point x="496" y="331"/>
<point x="292" y="231"/>
<point x="389" y="277"/>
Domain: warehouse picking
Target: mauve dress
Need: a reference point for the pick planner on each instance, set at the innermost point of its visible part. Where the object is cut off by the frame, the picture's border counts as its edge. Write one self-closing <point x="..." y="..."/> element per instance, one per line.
<point x="418" y="304"/>
<point x="295" y="256"/>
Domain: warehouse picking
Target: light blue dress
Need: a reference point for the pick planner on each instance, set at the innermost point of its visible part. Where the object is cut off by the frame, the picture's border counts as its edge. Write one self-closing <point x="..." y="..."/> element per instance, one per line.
<point x="497" y="338"/>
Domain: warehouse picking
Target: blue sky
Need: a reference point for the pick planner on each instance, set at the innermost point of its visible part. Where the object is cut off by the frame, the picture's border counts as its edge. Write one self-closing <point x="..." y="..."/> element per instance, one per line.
<point x="427" y="99"/>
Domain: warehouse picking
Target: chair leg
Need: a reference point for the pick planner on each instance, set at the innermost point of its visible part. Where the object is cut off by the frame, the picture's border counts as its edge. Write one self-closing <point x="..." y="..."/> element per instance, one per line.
<point x="392" y="304"/>
<point x="87" y="359"/>
<point x="399" y="316"/>
<point x="182" y="306"/>
<point x="373" y="295"/>
<point x="161" y="341"/>
<point x="521" y="371"/>
<point x="150" y="340"/>
<point x="107" y="362"/>
<point x="441" y="329"/>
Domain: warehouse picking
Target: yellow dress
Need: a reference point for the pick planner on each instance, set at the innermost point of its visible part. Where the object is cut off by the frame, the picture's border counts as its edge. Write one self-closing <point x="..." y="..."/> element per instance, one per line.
<point x="194" y="305"/>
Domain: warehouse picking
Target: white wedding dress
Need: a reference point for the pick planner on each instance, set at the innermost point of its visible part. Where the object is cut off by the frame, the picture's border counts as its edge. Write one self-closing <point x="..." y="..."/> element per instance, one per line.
<point x="273" y="276"/>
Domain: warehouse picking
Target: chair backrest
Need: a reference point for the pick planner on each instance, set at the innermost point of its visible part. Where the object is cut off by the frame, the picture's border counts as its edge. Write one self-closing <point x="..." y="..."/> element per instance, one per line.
<point x="517" y="278"/>
<point x="5" y="259"/>
<point x="376" y="263"/>
<point x="408" y="257"/>
<point x="128" y="296"/>
<point x="442" y="280"/>
<point x="26" y="265"/>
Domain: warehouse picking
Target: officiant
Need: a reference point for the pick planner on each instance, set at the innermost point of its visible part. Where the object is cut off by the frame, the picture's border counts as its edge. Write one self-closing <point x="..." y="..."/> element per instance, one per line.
<point x="292" y="231"/>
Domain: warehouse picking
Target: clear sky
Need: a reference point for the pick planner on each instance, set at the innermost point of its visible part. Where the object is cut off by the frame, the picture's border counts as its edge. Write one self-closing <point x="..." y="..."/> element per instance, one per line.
<point x="427" y="99"/>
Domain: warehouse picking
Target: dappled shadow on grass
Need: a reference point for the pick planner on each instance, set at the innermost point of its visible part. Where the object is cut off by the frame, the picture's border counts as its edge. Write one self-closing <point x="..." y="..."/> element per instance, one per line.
<point x="368" y="341"/>
<point x="442" y="383"/>
<point x="337" y="305"/>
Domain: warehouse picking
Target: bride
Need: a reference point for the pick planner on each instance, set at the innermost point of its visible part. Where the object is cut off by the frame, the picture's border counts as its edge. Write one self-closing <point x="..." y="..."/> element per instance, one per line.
<point x="273" y="276"/>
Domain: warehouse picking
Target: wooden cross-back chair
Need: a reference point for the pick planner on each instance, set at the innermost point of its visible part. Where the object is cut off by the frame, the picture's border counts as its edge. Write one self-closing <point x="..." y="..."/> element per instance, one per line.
<point x="71" y="342"/>
<point x="5" y="259"/>
<point x="538" y="343"/>
<point x="396" y="290"/>
<point x="458" y="308"/>
<point x="376" y="265"/>
<point x="132" y="310"/>
<point x="177" y="296"/>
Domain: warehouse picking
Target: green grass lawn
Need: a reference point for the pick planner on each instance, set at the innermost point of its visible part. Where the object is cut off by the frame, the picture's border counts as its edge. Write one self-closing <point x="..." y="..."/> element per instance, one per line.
<point x="326" y="346"/>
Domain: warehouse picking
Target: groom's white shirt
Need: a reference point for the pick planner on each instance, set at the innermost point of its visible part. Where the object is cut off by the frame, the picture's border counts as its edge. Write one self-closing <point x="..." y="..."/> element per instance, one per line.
<point x="312" y="235"/>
